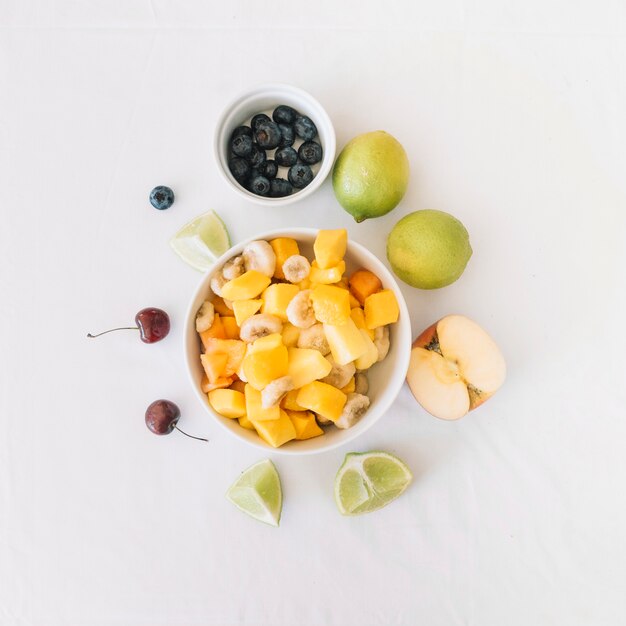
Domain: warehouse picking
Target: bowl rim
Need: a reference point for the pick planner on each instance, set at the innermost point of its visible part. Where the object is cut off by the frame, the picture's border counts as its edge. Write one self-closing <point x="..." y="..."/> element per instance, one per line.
<point x="330" y="143"/>
<point x="395" y="382"/>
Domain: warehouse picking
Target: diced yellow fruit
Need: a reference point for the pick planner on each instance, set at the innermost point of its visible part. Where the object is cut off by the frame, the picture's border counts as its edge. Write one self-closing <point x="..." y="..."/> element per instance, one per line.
<point x="245" y="308"/>
<point x="254" y="409"/>
<point x="330" y="247"/>
<point x="327" y="276"/>
<point x="358" y="317"/>
<point x="245" y="287"/>
<point x="231" y="329"/>
<point x="276" y="432"/>
<point x="265" y="343"/>
<point x="350" y="387"/>
<point x="290" y="334"/>
<point x="238" y="385"/>
<point x="228" y="402"/>
<point x="283" y="247"/>
<point x="261" y="368"/>
<point x="354" y="303"/>
<point x="214" y="365"/>
<point x="331" y="304"/>
<point x="216" y="330"/>
<point x="276" y="298"/>
<point x="364" y="283"/>
<point x="370" y="356"/>
<point x="346" y="341"/>
<point x="244" y="422"/>
<point x="307" y="365"/>
<point x="305" y="424"/>
<point x="322" y="398"/>
<point x="234" y="348"/>
<point x="221" y="308"/>
<point x="220" y="383"/>
<point x="381" y="309"/>
<point x="289" y="401"/>
<point x="304" y="284"/>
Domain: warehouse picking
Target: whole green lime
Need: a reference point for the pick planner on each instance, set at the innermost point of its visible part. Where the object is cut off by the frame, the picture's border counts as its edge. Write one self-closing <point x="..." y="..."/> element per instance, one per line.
<point x="371" y="175"/>
<point x="428" y="249"/>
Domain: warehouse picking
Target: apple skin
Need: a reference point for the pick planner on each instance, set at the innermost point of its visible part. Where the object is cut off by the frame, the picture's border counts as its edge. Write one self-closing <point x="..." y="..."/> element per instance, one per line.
<point x="426" y="337"/>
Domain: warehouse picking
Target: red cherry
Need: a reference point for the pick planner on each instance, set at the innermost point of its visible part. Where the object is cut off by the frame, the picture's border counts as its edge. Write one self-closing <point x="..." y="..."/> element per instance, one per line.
<point x="162" y="417"/>
<point x="153" y="325"/>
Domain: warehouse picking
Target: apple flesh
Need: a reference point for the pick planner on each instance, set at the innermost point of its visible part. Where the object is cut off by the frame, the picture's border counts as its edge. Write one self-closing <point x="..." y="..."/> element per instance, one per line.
<point x="455" y="366"/>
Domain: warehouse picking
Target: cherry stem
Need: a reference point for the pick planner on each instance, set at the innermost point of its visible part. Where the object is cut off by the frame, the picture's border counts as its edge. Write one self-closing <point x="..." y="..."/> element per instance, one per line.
<point x="112" y="330"/>
<point x="190" y="436"/>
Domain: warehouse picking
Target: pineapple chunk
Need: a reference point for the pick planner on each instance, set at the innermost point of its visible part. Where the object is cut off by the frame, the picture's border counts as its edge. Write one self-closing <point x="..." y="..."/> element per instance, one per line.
<point x="350" y="387"/>
<point x="262" y="367"/>
<point x="276" y="298"/>
<point x="289" y="401"/>
<point x="276" y="432"/>
<point x="228" y="402"/>
<point x="254" y="409"/>
<point x="290" y="334"/>
<point x="244" y="422"/>
<point x="330" y="247"/>
<point x="346" y="342"/>
<point x="370" y="356"/>
<point x="322" y="398"/>
<point x="305" y="424"/>
<point x="245" y="308"/>
<point x="307" y="365"/>
<point x="245" y="287"/>
<point x="283" y="247"/>
<point x="231" y="329"/>
<point x="331" y="304"/>
<point x="216" y="331"/>
<point x="268" y="342"/>
<point x="327" y="276"/>
<point x="358" y="317"/>
<point x="381" y="309"/>
<point x="234" y="348"/>
<point x="214" y="365"/>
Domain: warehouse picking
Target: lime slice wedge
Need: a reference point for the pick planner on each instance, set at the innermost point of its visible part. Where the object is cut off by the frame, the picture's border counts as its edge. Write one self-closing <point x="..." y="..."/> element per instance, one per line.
<point x="257" y="492"/>
<point x="368" y="481"/>
<point x="201" y="241"/>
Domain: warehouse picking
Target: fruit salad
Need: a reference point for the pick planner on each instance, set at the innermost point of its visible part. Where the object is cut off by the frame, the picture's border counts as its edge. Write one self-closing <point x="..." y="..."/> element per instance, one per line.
<point x="287" y="341"/>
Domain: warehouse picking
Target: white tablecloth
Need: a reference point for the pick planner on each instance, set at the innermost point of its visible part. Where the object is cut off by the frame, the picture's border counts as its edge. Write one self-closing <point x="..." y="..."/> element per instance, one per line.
<point x="513" y="116"/>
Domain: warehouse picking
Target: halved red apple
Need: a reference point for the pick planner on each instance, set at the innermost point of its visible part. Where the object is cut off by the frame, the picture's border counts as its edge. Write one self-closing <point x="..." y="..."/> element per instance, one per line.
<point x="455" y="366"/>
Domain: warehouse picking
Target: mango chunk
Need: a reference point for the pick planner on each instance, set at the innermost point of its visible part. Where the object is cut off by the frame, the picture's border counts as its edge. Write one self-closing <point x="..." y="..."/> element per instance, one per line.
<point x="245" y="308"/>
<point x="220" y="307"/>
<point x="307" y="365"/>
<point x="358" y="317"/>
<point x="234" y="348"/>
<point x="265" y="343"/>
<point x="283" y="247"/>
<point x="350" y="387"/>
<point x="327" y="276"/>
<point x="370" y="356"/>
<point x="331" y="304"/>
<point x="290" y="334"/>
<point x="262" y="367"/>
<point x="330" y="247"/>
<point x="322" y="398"/>
<point x="245" y="287"/>
<point x="289" y="401"/>
<point x="244" y="422"/>
<point x="238" y="385"/>
<point x="220" y="383"/>
<point x="381" y="309"/>
<point x="254" y="409"/>
<point x="305" y="424"/>
<point x="346" y="341"/>
<point x="276" y="298"/>
<point x="216" y="331"/>
<point x="214" y="365"/>
<point x="364" y="283"/>
<point x="276" y="432"/>
<point x="228" y="402"/>
<point x="231" y="328"/>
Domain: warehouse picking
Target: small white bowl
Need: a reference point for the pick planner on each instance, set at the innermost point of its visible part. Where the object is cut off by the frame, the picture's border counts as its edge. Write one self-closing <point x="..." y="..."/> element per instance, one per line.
<point x="258" y="100"/>
<point x="385" y="378"/>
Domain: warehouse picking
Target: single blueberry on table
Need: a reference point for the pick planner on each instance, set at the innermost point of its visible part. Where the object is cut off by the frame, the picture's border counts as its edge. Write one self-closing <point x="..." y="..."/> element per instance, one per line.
<point x="300" y="175"/>
<point x="239" y="168"/>
<point x="267" y="135"/>
<point x="310" y="152"/>
<point x="279" y="188"/>
<point x="305" y="128"/>
<point x="284" y="114"/>
<point x="256" y="156"/>
<point x="260" y="186"/>
<point x="287" y="135"/>
<point x="241" y="130"/>
<point x="286" y="157"/>
<point x="257" y="119"/>
<point x="241" y="145"/>
<point x="161" y="197"/>
<point x="269" y="169"/>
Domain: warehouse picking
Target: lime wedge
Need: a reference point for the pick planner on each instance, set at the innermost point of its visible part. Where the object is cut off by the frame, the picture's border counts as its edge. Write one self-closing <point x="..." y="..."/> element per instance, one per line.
<point x="368" y="481"/>
<point x="257" y="492"/>
<point x="201" y="241"/>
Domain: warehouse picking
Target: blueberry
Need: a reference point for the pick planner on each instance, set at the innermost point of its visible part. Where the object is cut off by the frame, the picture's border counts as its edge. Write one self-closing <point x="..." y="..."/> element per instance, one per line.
<point x="305" y="128"/>
<point x="257" y="119"/>
<point x="300" y="175"/>
<point x="310" y="152"/>
<point x="285" y="157"/>
<point x="260" y="186"/>
<point x="241" y="130"/>
<point x="267" y="135"/>
<point x="287" y="135"/>
<point x="284" y="114"/>
<point x="279" y="187"/>
<point x="239" y="168"/>
<point x="161" y="197"/>
<point x="269" y="169"/>
<point x="241" y="145"/>
<point x="256" y="156"/>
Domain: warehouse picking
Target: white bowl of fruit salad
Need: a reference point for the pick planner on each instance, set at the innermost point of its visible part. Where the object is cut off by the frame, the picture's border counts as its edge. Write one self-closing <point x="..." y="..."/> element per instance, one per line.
<point x="297" y="340"/>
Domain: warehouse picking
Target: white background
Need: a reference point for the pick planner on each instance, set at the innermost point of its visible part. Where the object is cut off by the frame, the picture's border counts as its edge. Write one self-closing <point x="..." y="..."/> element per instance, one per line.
<point x="513" y="114"/>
